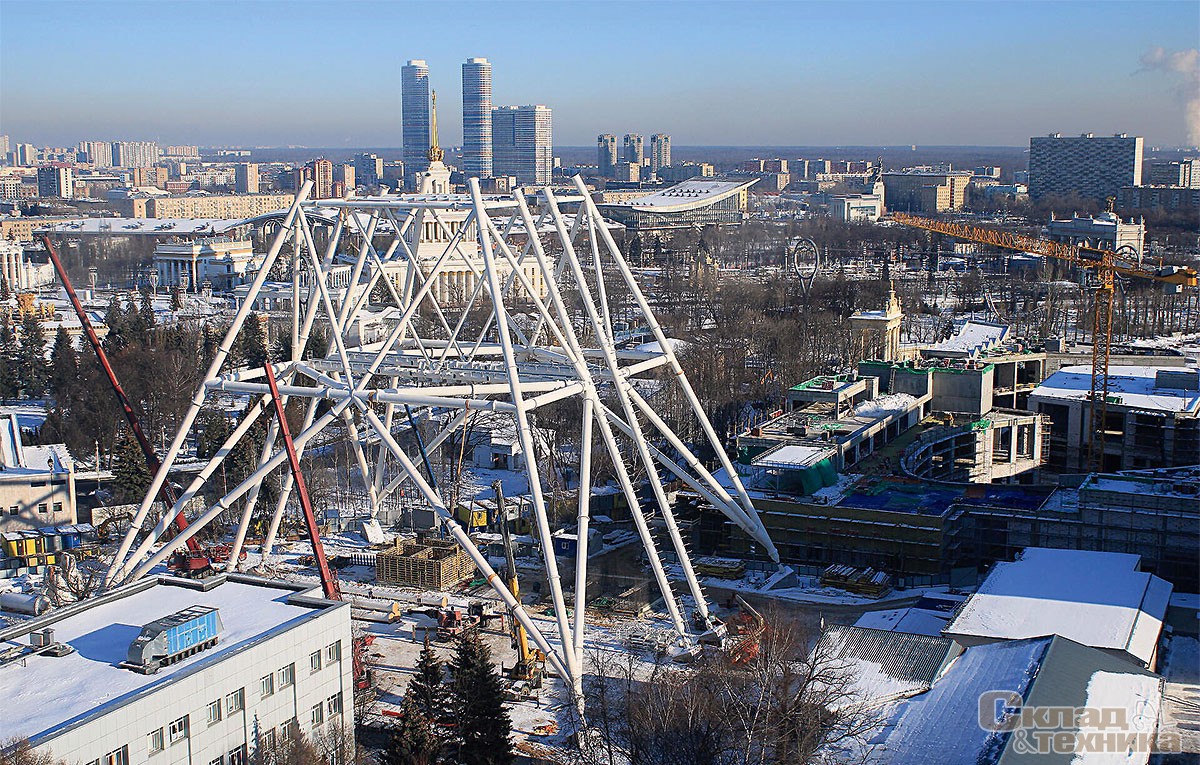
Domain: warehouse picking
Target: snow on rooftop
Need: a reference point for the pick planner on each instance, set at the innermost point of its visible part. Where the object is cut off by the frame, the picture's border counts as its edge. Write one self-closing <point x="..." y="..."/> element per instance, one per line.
<point x="689" y="194"/>
<point x="45" y="692"/>
<point x="1098" y="599"/>
<point x="676" y="344"/>
<point x="140" y="226"/>
<point x="973" y="338"/>
<point x="793" y="455"/>
<point x="885" y="405"/>
<point x="1132" y="386"/>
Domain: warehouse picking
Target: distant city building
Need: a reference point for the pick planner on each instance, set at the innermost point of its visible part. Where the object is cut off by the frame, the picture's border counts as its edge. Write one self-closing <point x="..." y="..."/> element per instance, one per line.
<point x="4" y="147"/>
<point x="368" y="169"/>
<point x="346" y="176"/>
<point x="686" y="205"/>
<point x="522" y="143"/>
<point x="477" y="117"/>
<point x="989" y="171"/>
<point x="1133" y="198"/>
<point x="684" y="171"/>
<point x="225" y="263"/>
<point x="56" y="180"/>
<point x="628" y="172"/>
<point x="135" y="153"/>
<point x="660" y="151"/>
<point x="21" y="274"/>
<point x="182" y="151"/>
<point x="633" y="149"/>
<point x="320" y="172"/>
<point x="414" y="97"/>
<point x="246" y="178"/>
<point x="25" y="155"/>
<point x="1185" y="174"/>
<point x="1093" y="167"/>
<point x="1105" y="231"/>
<point x="606" y="155"/>
<point x="144" y="177"/>
<point x="10" y="187"/>
<point x="856" y="207"/>
<point x="37" y="483"/>
<point x="393" y="174"/>
<point x="223" y="206"/>
<point x="271" y="661"/>
<point x="96" y="153"/>
<point x="926" y="191"/>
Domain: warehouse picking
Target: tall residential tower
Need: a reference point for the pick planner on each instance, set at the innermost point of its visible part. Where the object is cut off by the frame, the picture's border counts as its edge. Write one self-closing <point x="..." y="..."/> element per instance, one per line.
<point x="477" y="117"/>
<point x="634" y="149"/>
<point x="414" y="102"/>
<point x="606" y="155"/>
<point x="660" y="151"/>
<point x="522" y="143"/>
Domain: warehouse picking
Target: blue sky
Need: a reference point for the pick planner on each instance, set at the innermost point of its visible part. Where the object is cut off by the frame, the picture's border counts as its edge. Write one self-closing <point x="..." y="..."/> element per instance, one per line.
<point x="268" y="72"/>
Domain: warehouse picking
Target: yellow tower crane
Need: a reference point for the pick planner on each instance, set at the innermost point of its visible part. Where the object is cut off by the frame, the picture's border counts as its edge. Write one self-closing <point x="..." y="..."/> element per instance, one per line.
<point x="1106" y="264"/>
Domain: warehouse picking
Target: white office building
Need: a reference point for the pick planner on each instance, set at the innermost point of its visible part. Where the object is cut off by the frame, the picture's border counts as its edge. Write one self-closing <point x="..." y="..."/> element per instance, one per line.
<point x="282" y="662"/>
<point x="224" y="263"/>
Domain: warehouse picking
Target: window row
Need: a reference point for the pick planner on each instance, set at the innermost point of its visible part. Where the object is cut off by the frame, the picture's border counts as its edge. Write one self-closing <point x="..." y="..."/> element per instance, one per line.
<point x="331" y="655"/>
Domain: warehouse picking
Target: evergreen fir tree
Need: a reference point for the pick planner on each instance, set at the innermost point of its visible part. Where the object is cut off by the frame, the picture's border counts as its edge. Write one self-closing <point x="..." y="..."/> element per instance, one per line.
<point x="146" y="314"/>
<point x="214" y="429"/>
<point x="483" y="724"/>
<point x="253" y="343"/>
<point x="117" y="338"/>
<point x="5" y="291"/>
<point x="130" y="475"/>
<point x="32" y="369"/>
<point x="176" y="299"/>
<point x="427" y="689"/>
<point x="415" y="741"/>
<point x="64" y="364"/>
<point x="9" y="378"/>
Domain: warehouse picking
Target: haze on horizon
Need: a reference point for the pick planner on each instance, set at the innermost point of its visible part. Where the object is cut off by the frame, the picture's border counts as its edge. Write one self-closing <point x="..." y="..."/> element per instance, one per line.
<point x="270" y="73"/>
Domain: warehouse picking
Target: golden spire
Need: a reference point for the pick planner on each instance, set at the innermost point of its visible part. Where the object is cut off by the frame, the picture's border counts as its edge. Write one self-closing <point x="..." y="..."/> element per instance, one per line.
<point x="435" y="151"/>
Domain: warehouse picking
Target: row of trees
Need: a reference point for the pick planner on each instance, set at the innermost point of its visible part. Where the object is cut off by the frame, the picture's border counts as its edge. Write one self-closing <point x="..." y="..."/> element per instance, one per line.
<point x="461" y="720"/>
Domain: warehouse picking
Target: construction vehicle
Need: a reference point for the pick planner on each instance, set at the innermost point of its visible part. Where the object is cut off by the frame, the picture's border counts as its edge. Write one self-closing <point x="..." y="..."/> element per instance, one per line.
<point x="1107" y="265"/>
<point x="746" y="632"/>
<point x="329" y="582"/>
<point x="195" y="560"/>
<point x="531" y="663"/>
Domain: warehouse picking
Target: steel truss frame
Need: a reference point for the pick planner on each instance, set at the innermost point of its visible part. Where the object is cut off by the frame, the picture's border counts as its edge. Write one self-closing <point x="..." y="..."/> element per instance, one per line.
<point x="429" y="364"/>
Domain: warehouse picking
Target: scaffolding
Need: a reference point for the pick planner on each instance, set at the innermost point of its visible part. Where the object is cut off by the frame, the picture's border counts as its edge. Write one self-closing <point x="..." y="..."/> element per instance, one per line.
<point x="428" y="563"/>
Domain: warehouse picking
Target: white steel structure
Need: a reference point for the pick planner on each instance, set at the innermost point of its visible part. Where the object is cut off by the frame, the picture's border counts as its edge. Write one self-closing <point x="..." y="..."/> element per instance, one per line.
<point x="430" y="364"/>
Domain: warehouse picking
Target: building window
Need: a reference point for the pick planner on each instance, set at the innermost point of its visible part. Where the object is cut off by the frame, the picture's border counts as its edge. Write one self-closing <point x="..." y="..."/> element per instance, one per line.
<point x="214" y="712"/>
<point x="58" y="507"/>
<point x="266" y="686"/>
<point x="116" y="757"/>
<point x="154" y="741"/>
<point x="333" y="652"/>
<point x="43" y="507"/>
<point x="334" y="703"/>
<point x="314" y="661"/>
<point x="266" y="744"/>
<point x="238" y="756"/>
<point x="290" y="729"/>
<point x="318" y="715"/>
<point x="14" y="510"/>
<point x="287" y="676"/>
<point x="218" y="761"/>
<point x="178" y="730"/>
<point x="236" y="701"/>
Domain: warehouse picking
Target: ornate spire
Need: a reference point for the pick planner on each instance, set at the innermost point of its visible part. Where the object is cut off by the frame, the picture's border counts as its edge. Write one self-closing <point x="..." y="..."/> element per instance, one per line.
<point x="435" y="151"/>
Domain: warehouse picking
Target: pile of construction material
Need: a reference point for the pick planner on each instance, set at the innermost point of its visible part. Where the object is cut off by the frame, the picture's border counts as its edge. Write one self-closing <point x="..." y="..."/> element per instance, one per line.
<point x="864" y="581"/>
<point x="428" y="563"/>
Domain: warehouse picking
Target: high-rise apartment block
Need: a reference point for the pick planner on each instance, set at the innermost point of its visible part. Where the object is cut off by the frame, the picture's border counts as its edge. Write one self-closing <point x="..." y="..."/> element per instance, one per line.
<point x="660" y="151"/>
<point x="926" y="191"/>
<point x="320" y="172"/>
<point x="346" y="177"/>
<point x="477" y="117"/>
<point x="25" y="155"/>
<point x="245" y="178"/>
<point x="606" y="155"/>
<point x="182" y="151"/>
<point x="95" y="153"/>
<point x="1095" y="167"/>
<point x="522" y="143"/>
<point x="135" y="153"/>
<point x="4" y="147"/>
<point x="414" y="103"/>
<point x="56" y="180"/>
<point x="368" y="168"/>
<point x="634" y="152"/>
<point x="1185" y="174"/>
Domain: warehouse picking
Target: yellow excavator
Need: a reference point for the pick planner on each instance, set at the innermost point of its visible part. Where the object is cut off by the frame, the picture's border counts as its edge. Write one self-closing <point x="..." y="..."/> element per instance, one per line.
<point x="531" y="662"/>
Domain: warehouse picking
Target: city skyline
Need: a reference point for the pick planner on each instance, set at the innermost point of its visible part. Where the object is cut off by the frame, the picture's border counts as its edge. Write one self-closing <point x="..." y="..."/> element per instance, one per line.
<point x="816" y="74"/>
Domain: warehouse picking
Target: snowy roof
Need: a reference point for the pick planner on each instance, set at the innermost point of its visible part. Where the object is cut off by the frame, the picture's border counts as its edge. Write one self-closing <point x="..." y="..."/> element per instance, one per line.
<point x="684" y="196"/>
<point x="943" y="724"/>
<point x="140" y="226"/>
<point x="1098" y="599"/>
<point x="972" y="339"/>
<point x="18" y="459"/>
<point x="1131" y="386"/>
<point x="44" y="694"/>
<point x="929" y="616"/>
<point x="889" y="665"/>
<point x="793" y="456"/>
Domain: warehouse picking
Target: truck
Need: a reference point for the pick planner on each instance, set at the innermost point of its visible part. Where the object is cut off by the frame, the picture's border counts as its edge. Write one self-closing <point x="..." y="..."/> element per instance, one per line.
<point x="174" y="638"/>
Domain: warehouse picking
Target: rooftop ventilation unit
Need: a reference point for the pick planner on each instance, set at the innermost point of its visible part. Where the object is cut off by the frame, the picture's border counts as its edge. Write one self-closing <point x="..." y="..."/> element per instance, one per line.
<point x="173" y="638"/>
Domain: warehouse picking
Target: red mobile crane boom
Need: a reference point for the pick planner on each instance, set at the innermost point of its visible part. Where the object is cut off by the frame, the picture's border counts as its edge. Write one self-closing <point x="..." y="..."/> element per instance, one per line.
<point x="195" y="559"/>
<point x="329" y="581"/>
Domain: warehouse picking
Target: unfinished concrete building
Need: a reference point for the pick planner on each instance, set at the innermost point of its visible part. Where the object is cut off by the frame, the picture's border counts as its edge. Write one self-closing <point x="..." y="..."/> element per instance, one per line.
<point x="428" y="563"/>
<point x="999" y="447"/>
<point x="1153" y="417"/>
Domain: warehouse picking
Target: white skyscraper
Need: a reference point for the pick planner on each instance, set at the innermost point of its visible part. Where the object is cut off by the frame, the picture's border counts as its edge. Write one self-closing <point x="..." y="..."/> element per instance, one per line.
<point x="522" y="143"/>
<point x="660" y="151"/>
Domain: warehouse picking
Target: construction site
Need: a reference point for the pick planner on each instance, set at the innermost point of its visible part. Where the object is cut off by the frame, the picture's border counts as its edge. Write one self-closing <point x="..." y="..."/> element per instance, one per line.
<point x="518" y="452"/>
